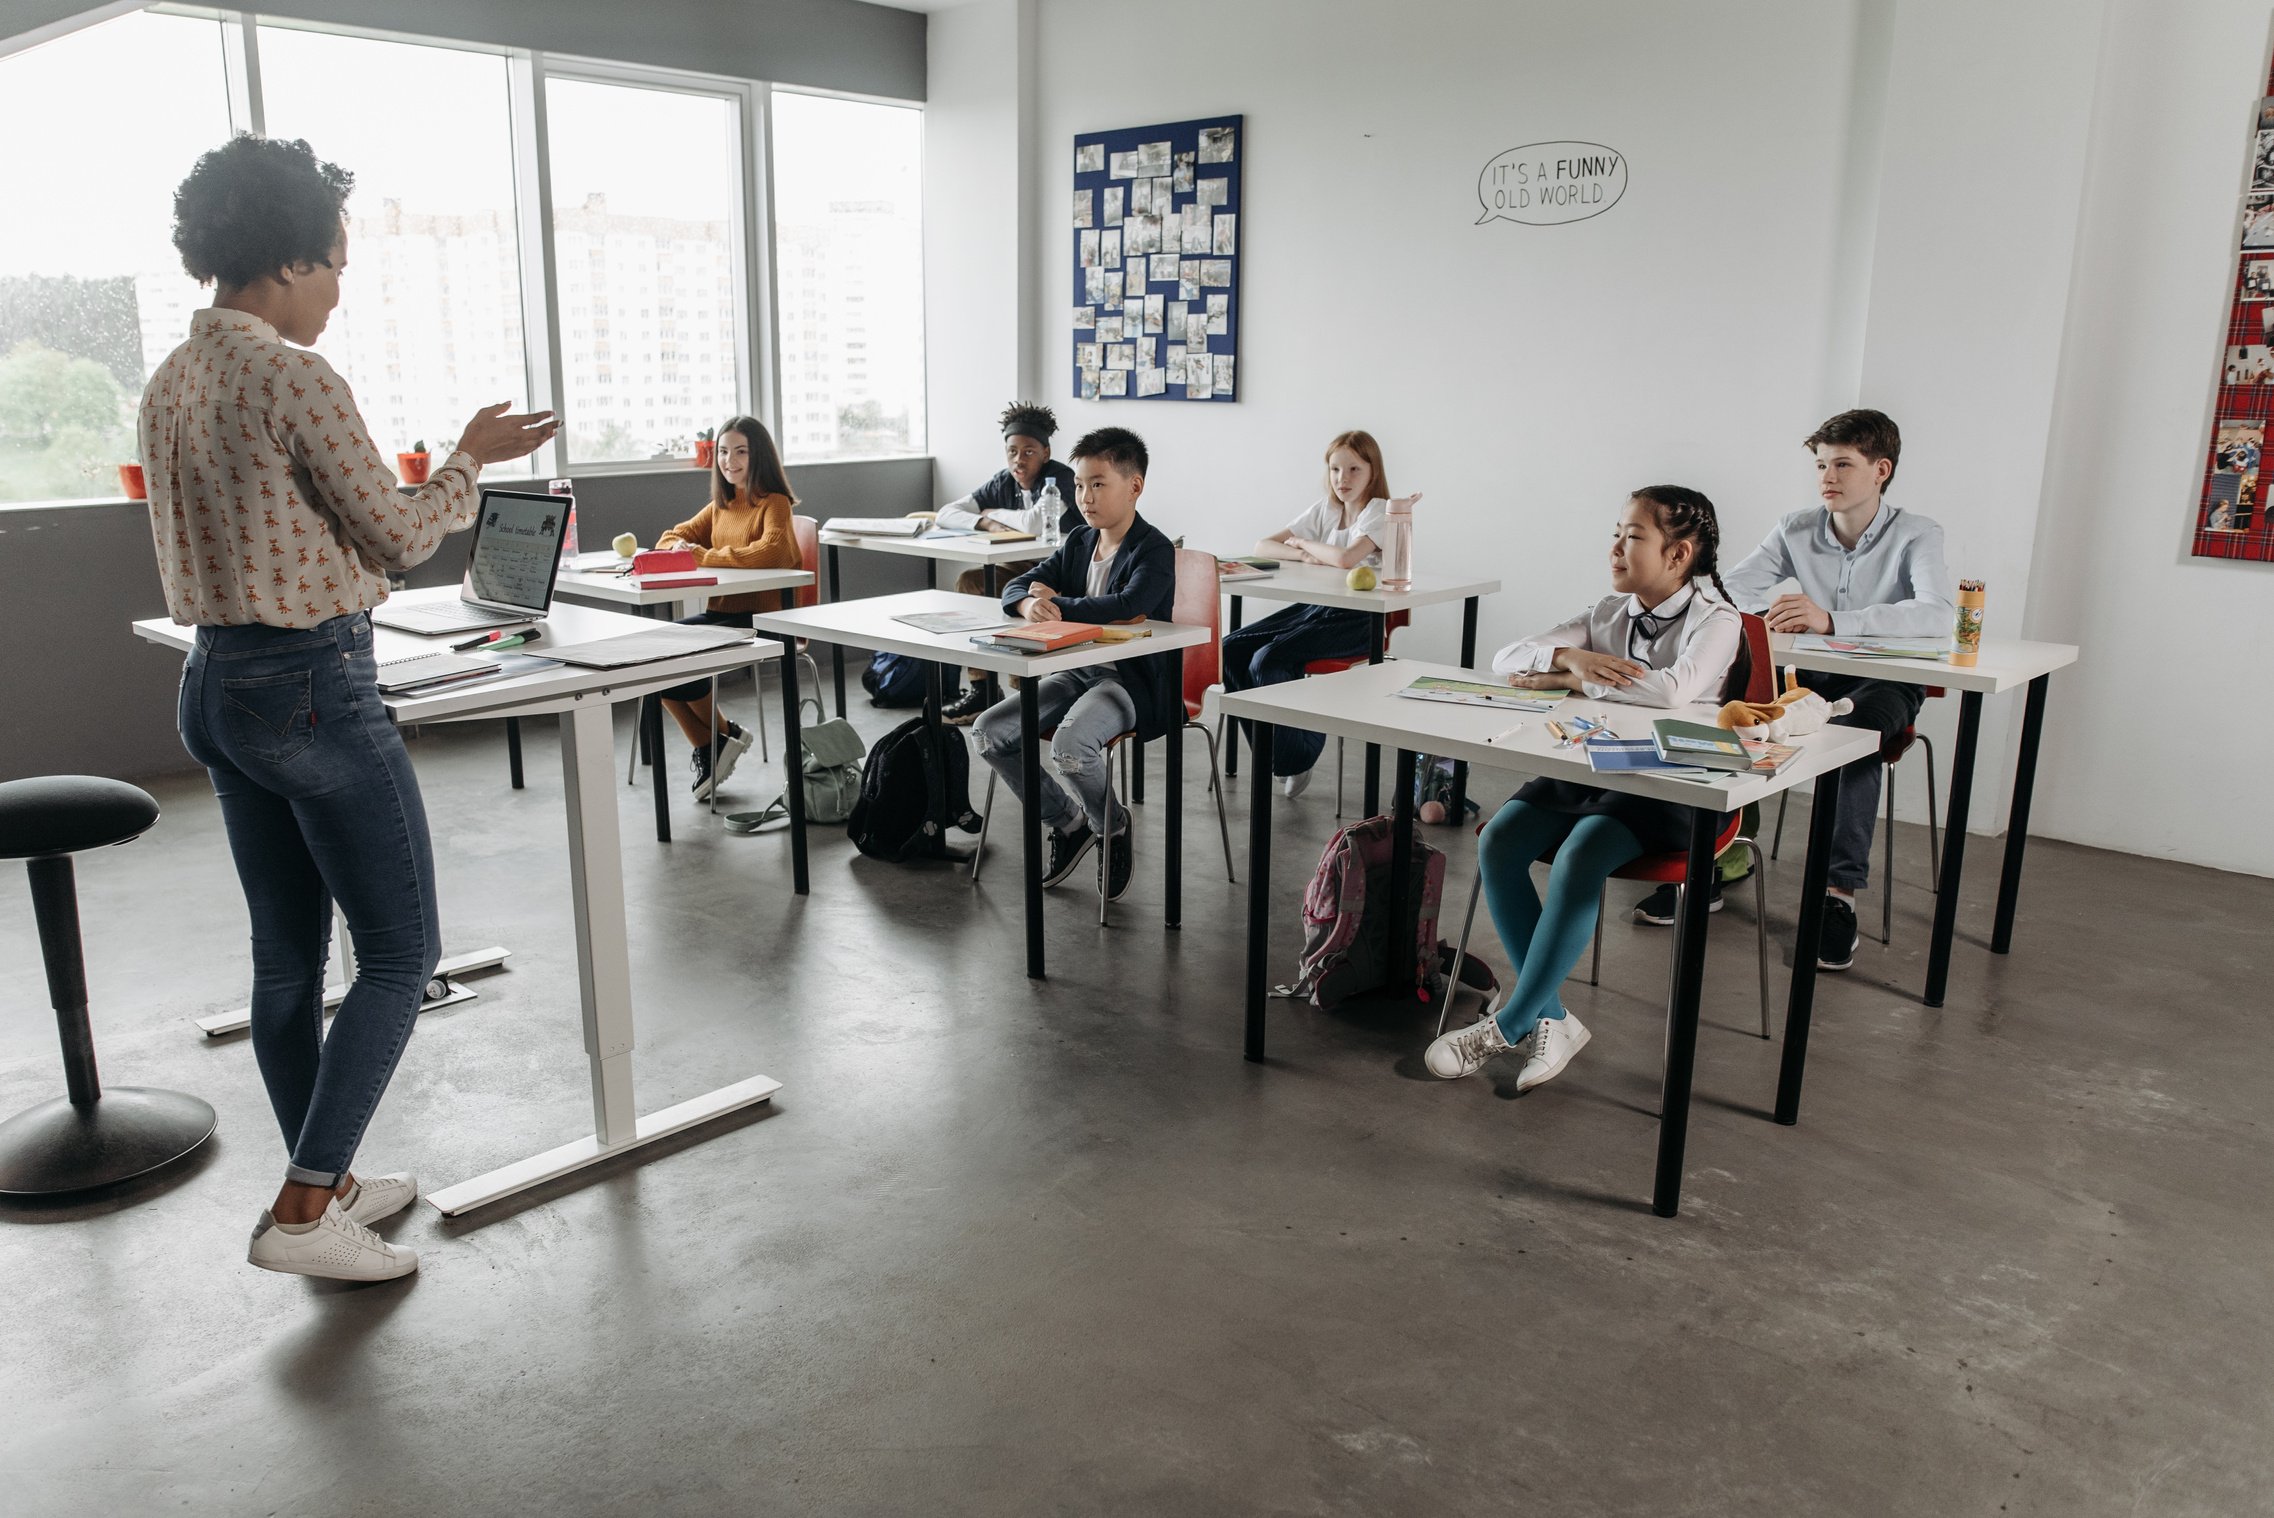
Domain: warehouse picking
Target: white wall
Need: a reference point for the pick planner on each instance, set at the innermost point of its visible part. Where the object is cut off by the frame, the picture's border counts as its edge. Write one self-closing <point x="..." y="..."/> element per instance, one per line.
<point x="2179" y="80"/>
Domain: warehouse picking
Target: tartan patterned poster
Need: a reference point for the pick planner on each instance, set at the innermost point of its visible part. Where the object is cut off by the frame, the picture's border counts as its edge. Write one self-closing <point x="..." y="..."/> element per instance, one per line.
<point x="1157" y="245"/>
<point x="2231" y="516"/>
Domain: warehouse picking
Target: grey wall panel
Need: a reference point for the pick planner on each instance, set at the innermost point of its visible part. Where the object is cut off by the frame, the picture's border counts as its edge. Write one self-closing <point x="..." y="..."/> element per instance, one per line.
<point x="80" y="694"/>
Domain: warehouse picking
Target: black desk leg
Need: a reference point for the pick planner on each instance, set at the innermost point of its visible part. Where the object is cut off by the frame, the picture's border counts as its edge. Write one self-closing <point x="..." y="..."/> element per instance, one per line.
<point x="793" y="781"/>
<point x="1259" y="887"/>
<point x="1682" y="1017"/>
<point x="1460" y="812"/>
<point x="836" y="650"/>
<point x="513" y="749"/>
<point x="1030" y="817"/>
<point x="1953" y="845"/>
<point x="931" y="574"/>
<point x="2017" y="817"/>
<point x="651" y="720"/>
<point x="1401" y="868"/>
<point x="1232" y="729"/>
<point x="1173" y="828"/>
<point x="1137" y="773"/>
<point x="935" y="698"/>
<point x="1375" y="655"/>
<point x="1800" y="1002"/>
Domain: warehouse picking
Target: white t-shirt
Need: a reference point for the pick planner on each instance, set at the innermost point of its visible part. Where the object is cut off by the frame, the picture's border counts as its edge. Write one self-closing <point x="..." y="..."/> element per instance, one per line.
<point x="1318" y="524"/>
<point x="1101" y="570"/>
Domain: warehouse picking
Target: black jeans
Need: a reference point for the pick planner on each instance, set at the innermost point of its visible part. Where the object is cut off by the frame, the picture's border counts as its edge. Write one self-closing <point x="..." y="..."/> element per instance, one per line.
<point x="1886" y="708"/>
<point x="1274" y="651"/>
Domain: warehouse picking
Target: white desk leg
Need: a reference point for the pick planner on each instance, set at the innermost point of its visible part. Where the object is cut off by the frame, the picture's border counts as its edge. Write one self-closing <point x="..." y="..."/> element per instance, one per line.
<point x="604" y="982"/>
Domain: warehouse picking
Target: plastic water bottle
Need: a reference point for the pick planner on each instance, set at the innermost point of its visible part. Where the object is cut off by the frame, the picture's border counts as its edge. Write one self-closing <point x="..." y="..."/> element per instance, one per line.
<point x="1053" y="507"/>
<point x="1397" y="551"/>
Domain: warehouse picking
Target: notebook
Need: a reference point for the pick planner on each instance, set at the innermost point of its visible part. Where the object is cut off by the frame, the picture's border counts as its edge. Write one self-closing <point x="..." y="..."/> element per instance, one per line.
<point x="1694" y="743"/>
<point x="1505" y="698"/>
<point x="880" y="527"/>
<point x="956" y="621"/>
<point x="418" y="672"/>
<point x="671" y="640"/>
<point x="1628" y="756"/>
<point x="1232" y="571"/>
<point x="1039" y="637"/>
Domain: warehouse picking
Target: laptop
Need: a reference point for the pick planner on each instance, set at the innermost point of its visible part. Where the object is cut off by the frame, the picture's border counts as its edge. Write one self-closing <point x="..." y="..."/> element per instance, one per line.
<point x="509" y="573"/>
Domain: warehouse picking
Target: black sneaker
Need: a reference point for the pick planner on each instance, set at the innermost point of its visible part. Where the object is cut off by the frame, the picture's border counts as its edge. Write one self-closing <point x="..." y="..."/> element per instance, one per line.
<point x="700" y="760"/>
<point x="1118" y="862"/>
<point x="1657" y="908"/>
<point x="1836" y="945"/>
<point x="1066" y="851"/>
<point x="965" y="709"/>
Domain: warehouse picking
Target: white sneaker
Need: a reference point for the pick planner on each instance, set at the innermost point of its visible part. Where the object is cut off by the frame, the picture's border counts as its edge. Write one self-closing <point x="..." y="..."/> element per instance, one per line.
<point x="380" y="1196"/>
<point x="732" y="745"/>
<point x="338" y="1249"/>
<point x="1465" y="1050"/>
<point x="1550" y="1046"/>
<point x="1292" y="786"/>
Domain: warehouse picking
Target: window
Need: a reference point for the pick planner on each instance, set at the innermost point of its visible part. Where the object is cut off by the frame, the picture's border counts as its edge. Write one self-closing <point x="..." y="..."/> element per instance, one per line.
<point x="432" y="243"/>
<point x="646" y="198"/>
<point x="92" y="293"/>
<point x="848" y="230"/>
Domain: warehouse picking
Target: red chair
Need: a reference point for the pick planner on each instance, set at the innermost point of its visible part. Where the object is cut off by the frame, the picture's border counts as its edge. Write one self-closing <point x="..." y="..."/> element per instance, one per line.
<point x="1198" y="602"/>
<point x="1752" y="678"/>
<point x="1891" y="753"/>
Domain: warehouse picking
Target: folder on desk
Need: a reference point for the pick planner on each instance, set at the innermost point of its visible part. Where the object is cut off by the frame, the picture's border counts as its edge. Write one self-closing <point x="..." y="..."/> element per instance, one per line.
<point x="668" y="641"/>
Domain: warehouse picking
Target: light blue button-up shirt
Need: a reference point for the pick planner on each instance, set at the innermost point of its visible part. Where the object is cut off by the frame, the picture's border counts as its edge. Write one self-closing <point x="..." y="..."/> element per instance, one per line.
<point x="1892" y="584"/>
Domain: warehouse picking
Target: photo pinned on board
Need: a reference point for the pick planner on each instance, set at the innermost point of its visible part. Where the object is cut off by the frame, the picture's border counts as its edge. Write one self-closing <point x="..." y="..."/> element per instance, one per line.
<point x="1086" y="356"/>
<point x="1175" y="317"/>
<point x="1196" y="333"/>
<point x="1089" y="158"/>
<point x="1109" y="328"/>
<point x="2262" y="158"/>
<point x="1164" y="200"/>
<point x="2257" y="282"/>
<point x="1196" y="235"/>
<point x="1109" y="249"/>
<point x="2249" y="366"/>
<point x="2232" y="498"/>
<point x="1121" y="356"/>
<point x="1216" y="271"/>
<point x="1113" y="383"/>
<point x="1215" y="190"/>
<point x="1156" y="314"/>
<point x="1219" y="315"/>
<point x="1123" y="166"/>
<point x="1163" y="269"/>
<point x="1085" y="318"/>
<point x="1151" y="382"/>
<point x="2258" y="220"/>
<point x="1188" y="279"/>
<point x="1153" y="159"/>
<point x="1087" y="244"/>
<point x="1084" y="201"/>
<point x="1182" y="179"/>
<point x="1093" y="285"/>
<point x="1216" y="144"/>
<point x="1112" y="288"/>
<point x="1223" y="363"/>
<point x="1226" y="235"/>
<point x="1113" y="205"/>
<point x="1089" y="384"/>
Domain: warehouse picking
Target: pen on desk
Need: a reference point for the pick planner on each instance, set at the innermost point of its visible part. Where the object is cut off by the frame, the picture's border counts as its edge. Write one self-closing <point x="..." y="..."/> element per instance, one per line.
<point x="1509" y="733"/>
<point x="459" y="648"/>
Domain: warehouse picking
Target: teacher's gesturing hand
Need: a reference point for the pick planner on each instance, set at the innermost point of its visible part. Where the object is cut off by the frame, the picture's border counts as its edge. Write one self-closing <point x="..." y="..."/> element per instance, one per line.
<point x="492" y="436"/>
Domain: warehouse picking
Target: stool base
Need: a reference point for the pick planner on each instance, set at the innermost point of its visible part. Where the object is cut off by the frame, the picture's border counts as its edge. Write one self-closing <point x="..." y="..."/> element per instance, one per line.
<point x="130" y="1131"/>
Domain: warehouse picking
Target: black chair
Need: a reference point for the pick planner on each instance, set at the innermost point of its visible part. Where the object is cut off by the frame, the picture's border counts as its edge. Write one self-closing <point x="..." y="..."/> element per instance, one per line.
<point x="91" y="1137"/>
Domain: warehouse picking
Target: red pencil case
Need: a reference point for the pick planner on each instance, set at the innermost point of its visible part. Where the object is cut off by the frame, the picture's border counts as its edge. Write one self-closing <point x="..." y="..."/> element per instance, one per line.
<point x="664" y="561"/>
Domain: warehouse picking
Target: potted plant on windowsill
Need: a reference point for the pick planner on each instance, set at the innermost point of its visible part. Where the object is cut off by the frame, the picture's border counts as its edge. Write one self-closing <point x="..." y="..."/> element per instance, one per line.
<point x="412" y="466"/>
<point x="706" y="447"/>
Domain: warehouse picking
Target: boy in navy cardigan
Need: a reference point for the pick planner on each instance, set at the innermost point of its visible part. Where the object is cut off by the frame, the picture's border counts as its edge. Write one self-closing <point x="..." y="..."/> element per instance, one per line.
<point x="1116" y="567"/>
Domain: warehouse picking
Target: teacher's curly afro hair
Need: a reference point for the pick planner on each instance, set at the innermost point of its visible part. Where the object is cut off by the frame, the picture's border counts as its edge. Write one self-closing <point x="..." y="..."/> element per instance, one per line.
<point x="255" y="205"/>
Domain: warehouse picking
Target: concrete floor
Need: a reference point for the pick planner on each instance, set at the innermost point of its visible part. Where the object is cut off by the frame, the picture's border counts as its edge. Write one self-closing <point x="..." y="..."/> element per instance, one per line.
<point x="1013" y="1248"/>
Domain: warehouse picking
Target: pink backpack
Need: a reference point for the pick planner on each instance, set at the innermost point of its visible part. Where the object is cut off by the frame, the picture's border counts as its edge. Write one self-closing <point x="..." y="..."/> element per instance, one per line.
<point x="1348" y="943"/>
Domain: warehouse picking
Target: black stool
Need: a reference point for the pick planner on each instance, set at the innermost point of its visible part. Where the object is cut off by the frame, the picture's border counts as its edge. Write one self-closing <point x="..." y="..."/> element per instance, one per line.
<point x="91" y="1137"/>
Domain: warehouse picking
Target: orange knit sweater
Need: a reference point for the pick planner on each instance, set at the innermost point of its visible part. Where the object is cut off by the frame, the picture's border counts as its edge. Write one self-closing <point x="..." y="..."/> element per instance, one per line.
<point x="743" y="534"/>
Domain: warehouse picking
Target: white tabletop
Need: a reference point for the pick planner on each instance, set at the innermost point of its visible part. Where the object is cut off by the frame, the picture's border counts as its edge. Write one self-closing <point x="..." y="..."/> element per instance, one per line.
<point x="552" y="689"/>
<point x="967" y="548"/>
<point x="869" y="623"/>
<point x="629" y="590"/>
<point x="1362" y="703"/>
<point x="2004" y="663"/>
<point x="1317" y="585"/>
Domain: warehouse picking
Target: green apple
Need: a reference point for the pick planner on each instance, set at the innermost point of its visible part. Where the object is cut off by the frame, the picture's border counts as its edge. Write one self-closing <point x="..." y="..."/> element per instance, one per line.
<point x="1361" y="578"/>
<point x="625" y="545"/>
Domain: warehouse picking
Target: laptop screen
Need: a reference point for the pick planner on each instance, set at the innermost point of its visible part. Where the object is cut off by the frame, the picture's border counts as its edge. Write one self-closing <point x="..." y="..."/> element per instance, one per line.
<point x="517" y="551"/>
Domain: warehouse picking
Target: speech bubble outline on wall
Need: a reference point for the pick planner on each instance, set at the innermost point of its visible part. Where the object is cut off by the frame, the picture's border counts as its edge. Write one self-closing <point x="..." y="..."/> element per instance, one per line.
<point x="1549" y="184"/>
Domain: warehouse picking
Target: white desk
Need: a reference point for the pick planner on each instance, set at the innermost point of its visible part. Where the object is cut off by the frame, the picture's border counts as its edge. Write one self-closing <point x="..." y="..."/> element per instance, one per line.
<point x="2004" y="664"/>
<point x="1318" y="585"/>
<point x="869" y="624"/>
<point x="1361" y="703"/>
<point x="583" y="698"/>
<point x="967" y="548"/>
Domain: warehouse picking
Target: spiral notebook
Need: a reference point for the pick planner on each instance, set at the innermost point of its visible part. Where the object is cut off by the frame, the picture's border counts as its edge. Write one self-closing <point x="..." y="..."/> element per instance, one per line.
<point x="418" y="672"/>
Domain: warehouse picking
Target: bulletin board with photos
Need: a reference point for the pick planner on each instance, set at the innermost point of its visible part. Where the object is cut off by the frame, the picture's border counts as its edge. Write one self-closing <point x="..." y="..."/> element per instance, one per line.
<point x="1157" y="262"/>
<point x="2231" y="518"/>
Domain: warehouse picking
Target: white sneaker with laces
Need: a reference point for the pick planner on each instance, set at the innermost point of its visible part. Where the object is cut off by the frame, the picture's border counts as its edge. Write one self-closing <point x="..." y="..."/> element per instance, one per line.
<point x="1465" y="1050"/>
<point x="1292" y="786"/>
<point x="733" y="743"/>
<point x="1549" y="1047"/>
<point x="337" y="1249"/>
<point x="380" y="1196"/>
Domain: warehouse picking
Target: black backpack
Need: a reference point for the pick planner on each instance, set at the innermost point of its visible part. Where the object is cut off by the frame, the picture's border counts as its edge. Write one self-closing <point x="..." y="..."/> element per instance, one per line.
<point x="894" y="680"/>
<point x="916" y="785"/>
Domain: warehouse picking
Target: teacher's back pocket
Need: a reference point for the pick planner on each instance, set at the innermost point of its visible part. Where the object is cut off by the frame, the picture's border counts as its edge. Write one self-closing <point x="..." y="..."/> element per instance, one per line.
<point x="271" y="717"/>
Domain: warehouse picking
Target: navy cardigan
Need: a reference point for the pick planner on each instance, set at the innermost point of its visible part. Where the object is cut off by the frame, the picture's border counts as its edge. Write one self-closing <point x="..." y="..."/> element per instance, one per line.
<point x="1142" y="584"/>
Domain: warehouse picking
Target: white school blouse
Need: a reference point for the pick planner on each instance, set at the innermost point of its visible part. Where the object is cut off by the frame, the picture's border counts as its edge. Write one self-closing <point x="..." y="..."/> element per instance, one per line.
<point x="1321" y="523"/>
<point x="1689" y="642"/>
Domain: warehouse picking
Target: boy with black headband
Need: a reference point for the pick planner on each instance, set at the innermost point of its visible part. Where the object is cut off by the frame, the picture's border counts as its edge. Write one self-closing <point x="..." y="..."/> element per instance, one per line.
<point x="1008" y="502"/>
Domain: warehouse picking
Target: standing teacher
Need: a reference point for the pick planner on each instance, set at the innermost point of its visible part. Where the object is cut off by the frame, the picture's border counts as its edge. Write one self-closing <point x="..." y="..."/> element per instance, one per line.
<point x="277" y="522"/>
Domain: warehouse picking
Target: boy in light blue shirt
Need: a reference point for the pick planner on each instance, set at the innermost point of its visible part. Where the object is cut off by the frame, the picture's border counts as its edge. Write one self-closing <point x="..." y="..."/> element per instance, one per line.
<point x="1864" y="569"/>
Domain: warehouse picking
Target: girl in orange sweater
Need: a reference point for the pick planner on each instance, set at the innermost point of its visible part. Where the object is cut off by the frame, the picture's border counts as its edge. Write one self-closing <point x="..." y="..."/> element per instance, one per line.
<point x="746" y="526"/>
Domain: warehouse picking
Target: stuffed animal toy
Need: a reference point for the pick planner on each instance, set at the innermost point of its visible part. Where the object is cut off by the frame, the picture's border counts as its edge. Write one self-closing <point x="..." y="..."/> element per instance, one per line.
<point x="1794" y="714"/>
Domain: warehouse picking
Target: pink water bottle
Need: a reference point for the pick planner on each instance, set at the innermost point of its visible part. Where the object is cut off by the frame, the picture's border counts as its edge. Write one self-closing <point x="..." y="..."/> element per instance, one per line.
<point x="1397" y="547"/>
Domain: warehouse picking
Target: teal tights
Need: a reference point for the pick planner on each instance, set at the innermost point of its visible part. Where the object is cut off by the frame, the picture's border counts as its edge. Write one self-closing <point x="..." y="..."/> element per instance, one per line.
<point x="1545" y="939"/>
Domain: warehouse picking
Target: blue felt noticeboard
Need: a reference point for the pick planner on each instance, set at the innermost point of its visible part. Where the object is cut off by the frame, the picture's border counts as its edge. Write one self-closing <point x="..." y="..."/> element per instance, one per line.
<point x="1157" y="239"/>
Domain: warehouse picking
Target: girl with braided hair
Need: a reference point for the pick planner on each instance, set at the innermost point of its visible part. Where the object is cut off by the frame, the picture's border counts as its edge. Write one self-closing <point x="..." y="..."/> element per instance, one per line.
<point x="1668" y="636"/>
